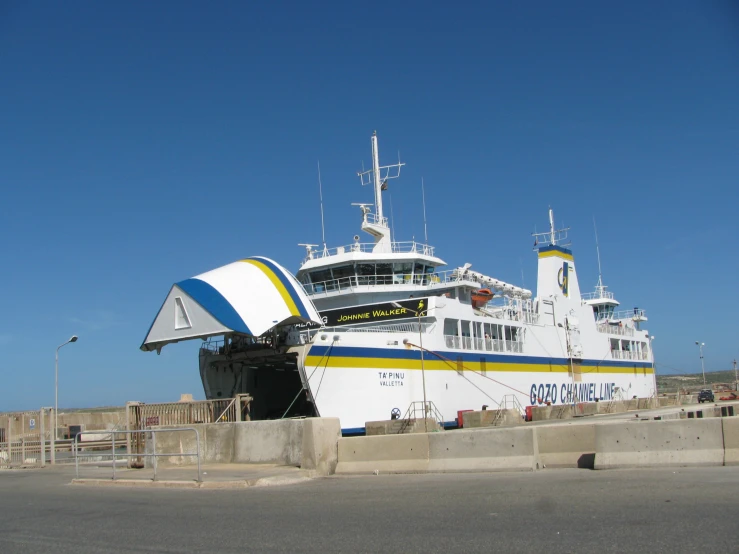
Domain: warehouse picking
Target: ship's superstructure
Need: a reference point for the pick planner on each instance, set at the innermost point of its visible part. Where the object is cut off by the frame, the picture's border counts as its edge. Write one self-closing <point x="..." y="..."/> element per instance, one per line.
<point x="367" y="329"/>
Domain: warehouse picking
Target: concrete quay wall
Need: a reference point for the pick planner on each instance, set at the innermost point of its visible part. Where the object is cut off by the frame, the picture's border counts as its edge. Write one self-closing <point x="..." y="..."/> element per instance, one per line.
<point x="590" y="444"/>
<point x="568" y="445"/>
<point x="730" y="429"/>
<point x="316" y="443"/>
<point x="506" y="449"/>
<point x="307" y="443"/>
<point x="659" y="444"/>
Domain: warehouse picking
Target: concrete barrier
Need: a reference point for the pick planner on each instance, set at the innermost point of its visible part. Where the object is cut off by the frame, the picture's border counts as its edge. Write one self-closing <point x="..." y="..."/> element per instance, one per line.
<point x="659" y="444"/>
<point x="612" y="407"/>
<point x="320" y="445"/>
<point x="567" y="445"/>
<point x="384" y="453"/>
<point x="268" y="442"/>
<point x="216" y="445"/>
<point x="487" y="418"/>
<point x="401" y="426"/>
<point x="543" y="413"/>
<point x="307" y="443"/>
<point x="586" y="408"/>
<point x="508" y="449"/>
<point x="730" y="429"/>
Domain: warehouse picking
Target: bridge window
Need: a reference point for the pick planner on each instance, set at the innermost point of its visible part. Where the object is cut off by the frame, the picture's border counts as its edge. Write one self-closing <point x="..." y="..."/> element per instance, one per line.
<point x="418" y="274"/>
<point x="343" y="271"/>
<point x="366" y="269"/>
<point x="402" y="272"/>
<point x="384" y="274"/>
<point x="320" y="276"/>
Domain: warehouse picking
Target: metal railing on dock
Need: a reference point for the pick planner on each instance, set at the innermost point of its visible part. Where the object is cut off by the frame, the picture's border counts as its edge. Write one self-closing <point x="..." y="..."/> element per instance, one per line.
<point x="154" y="454"/>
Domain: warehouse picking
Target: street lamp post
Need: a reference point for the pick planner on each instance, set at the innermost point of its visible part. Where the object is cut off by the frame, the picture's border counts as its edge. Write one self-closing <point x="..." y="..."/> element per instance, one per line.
<point x="703" y="367"/>
<point x="420" y="347"/>
<point x="73" y="338"/>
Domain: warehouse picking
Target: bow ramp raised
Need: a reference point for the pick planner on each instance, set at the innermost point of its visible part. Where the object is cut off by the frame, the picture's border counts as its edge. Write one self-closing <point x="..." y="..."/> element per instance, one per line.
<point x="248" y="298"/>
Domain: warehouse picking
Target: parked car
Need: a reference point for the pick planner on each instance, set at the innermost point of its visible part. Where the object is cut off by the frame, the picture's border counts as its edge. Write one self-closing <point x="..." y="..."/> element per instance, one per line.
<point x="705" y="395"/>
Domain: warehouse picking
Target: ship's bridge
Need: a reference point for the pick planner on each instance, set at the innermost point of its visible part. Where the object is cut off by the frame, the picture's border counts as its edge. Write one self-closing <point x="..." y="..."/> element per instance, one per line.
<point x="360" y="264"/>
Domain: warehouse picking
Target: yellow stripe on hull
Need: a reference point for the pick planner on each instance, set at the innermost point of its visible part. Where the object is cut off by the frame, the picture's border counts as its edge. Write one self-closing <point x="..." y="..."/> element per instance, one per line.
<point x="440" y="365"/>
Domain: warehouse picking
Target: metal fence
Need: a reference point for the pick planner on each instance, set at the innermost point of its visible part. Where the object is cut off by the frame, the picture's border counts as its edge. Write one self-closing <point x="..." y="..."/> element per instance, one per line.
<point x="79" y="454"/>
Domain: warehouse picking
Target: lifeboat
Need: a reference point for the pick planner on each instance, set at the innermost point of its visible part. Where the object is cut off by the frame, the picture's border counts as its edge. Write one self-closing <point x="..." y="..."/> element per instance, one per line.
<point x="481" y="297"/>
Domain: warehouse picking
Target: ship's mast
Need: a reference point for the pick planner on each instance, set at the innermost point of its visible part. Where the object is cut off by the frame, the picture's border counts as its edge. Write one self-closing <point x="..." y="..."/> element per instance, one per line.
<point x="376" y="177"/>
<point x="553" y="237"/>
<point x="376" y="224"/>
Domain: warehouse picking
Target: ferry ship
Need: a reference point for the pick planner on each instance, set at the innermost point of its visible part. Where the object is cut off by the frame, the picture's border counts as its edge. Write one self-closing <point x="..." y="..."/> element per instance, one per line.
<point x="369" y="330"/>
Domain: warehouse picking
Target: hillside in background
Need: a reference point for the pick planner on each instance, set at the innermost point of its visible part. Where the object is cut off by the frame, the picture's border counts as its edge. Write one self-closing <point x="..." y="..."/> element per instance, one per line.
<point x="691" y="382"/>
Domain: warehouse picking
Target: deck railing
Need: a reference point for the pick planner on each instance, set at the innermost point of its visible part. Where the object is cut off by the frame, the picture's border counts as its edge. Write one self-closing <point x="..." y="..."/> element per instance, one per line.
<point x="628" y="355"/>
<point x="623" y="315"/>
<point x="597" y="295"/>
<point x="615" y="329"/>
<point x="488" y="345"/>
<point x="404" y="247"/>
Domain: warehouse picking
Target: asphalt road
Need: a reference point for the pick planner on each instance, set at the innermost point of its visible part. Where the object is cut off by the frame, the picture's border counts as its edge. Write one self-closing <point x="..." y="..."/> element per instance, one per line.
<point x="629" y="511"/>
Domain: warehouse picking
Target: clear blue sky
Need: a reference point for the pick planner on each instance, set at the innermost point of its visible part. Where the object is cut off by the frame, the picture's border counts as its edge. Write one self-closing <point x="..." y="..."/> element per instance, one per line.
<point x="142" y="143"/>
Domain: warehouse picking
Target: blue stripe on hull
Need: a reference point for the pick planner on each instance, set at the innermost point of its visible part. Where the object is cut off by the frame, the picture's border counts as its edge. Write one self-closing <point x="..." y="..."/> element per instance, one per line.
<point x="388" y="353"/>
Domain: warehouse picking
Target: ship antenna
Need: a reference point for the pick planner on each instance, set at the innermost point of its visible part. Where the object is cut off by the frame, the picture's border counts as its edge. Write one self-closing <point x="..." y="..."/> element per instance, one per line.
<point x="392" y="217"/>
<point x="423" y="196"/>
<point x="523" y="283"/>
<point x="551" y="226"/>
<point x="597" y="250"/>
<point x="320" y="195"/>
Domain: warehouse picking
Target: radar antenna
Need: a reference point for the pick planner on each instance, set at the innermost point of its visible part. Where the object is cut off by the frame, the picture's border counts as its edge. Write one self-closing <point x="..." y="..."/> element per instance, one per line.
<point x="364" y="207"/>
<point x="309" y="249"/>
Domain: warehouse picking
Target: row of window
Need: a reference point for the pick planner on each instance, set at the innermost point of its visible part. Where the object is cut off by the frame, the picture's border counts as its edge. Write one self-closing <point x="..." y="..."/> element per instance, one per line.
<point x="404" y="271"/>
<point x="629" y="346"/>
<point x="479" y="330"/>
<point x="603" y="312"/>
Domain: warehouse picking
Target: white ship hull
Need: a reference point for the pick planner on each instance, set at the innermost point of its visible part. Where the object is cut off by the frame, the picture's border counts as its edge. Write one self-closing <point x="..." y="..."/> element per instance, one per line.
<point x="360" y="378"/>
